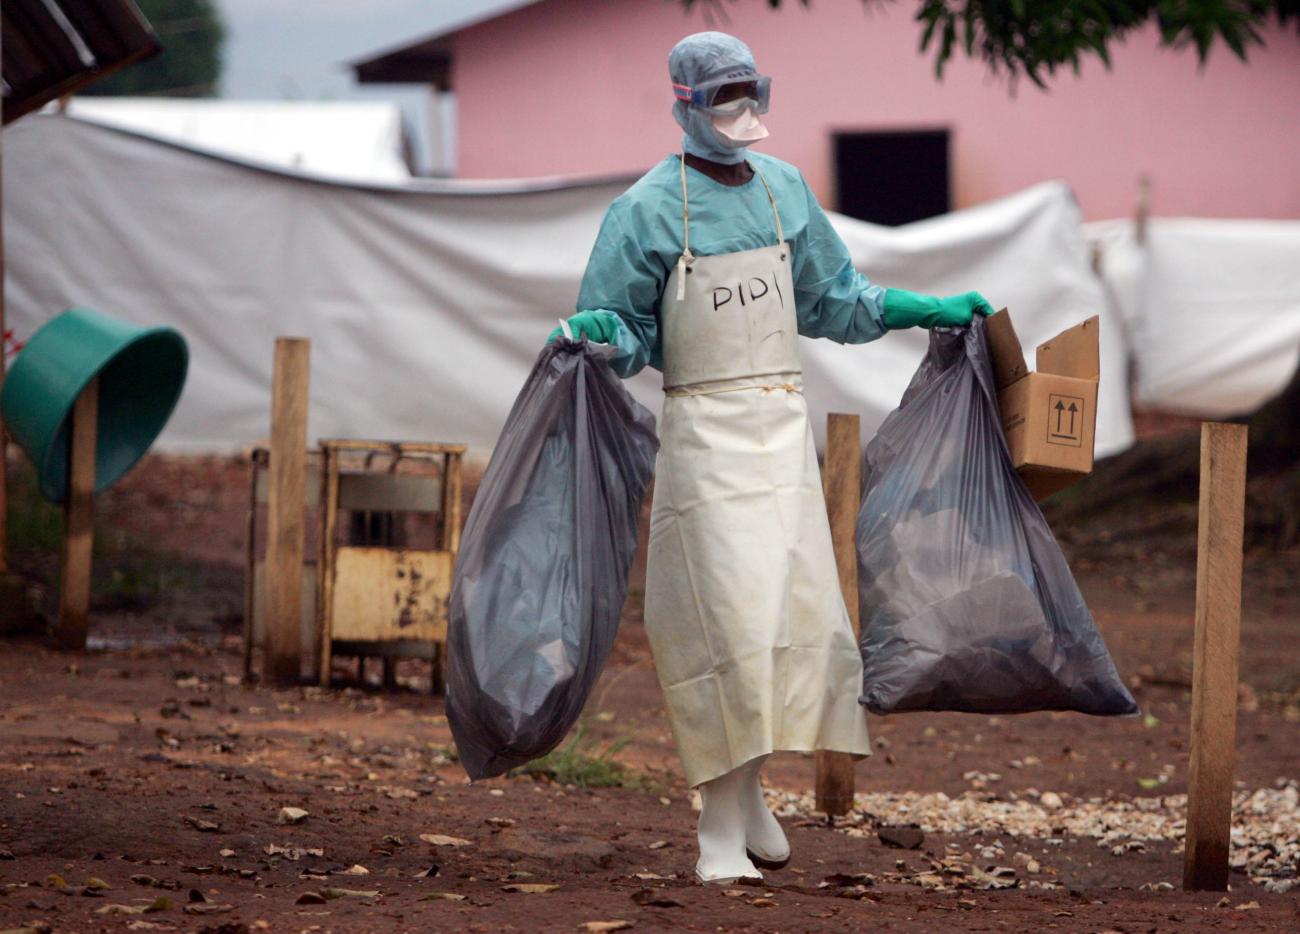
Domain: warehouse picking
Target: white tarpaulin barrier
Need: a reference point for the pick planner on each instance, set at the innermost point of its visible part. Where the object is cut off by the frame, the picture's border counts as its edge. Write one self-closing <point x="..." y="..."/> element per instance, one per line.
<point x="1025" y="252"/>
<point x="1212" y="309"/>
<point x="347" y="140"/>
<point x="426" y="303"/>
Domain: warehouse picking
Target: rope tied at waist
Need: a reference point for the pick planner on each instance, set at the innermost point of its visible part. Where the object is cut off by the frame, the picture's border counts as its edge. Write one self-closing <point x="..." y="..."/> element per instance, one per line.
<point x="713" y="391"/>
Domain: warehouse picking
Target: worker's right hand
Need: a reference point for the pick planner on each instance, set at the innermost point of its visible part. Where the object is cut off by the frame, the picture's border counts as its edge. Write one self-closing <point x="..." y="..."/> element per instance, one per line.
<point x="599" y="327"/>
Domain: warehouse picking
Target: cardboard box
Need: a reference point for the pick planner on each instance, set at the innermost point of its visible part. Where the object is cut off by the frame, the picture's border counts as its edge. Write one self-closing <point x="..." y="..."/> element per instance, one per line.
<point x="1049" y="415"/>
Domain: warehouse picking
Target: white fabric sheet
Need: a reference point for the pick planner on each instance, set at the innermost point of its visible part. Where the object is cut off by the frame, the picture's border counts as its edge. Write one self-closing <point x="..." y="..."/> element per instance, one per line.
<point x="426" y="302"/>
<point x="1025" y="252"/>
<point x="357" y="141"/>
<point x="1212" y="309"/>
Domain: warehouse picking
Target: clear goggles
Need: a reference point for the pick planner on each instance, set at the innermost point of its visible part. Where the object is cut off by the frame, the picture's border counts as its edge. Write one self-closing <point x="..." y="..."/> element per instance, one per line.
<point x="728" y="95"/>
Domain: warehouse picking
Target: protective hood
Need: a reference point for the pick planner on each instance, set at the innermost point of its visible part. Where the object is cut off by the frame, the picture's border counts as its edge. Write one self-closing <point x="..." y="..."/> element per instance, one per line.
<point x="707" y="56"/>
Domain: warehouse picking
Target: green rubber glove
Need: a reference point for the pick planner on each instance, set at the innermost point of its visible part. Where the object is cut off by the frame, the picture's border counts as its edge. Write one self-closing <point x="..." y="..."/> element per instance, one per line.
<point x="905" y="309"/>
<point x="599" y="327"/>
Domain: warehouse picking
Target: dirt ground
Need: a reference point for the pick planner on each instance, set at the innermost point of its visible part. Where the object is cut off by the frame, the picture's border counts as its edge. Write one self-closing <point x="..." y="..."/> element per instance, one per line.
<point x="142" y="783"/>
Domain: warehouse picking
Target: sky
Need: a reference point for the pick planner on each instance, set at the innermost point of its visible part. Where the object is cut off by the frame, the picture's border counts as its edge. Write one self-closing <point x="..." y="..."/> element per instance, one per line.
<point x="287" y="49"/>
<point x="299" y="50"/>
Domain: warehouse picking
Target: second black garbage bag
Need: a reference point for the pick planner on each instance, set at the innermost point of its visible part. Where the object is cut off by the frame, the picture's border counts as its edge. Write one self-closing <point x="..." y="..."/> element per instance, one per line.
<point x="967" y="602"/>
<point x="542" y="571"/>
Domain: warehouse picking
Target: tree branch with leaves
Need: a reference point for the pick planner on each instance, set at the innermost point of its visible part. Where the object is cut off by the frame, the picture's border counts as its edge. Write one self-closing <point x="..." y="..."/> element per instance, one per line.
<point x="192" y="34"/>
<point x="1033" y="38"/>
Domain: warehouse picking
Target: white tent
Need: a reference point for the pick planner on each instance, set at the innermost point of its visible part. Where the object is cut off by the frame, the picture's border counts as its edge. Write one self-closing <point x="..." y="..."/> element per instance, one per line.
<point x="427" y="302"/>
<point x="357" y="141"/>
<point x="1025" y="252"/>
<point x="1211" y="307"/>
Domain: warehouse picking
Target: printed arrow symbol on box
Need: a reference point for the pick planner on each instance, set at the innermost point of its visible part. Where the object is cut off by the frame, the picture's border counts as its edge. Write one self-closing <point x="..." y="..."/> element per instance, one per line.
<point x="1060" y="413"/>
<point x="1073" y="409"/>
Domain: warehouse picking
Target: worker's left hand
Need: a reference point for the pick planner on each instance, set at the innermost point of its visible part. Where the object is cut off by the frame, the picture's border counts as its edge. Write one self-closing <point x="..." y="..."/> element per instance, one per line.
<point x="905" y="309"/>
<point x="979" y="305"/>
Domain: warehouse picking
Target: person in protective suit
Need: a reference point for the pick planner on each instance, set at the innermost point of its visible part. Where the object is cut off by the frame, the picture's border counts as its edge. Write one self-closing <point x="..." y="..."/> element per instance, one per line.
<point x="709" y="268"/>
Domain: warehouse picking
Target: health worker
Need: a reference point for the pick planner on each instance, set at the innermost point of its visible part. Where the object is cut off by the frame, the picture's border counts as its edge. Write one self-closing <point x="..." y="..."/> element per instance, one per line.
<point x="709" y="268"/>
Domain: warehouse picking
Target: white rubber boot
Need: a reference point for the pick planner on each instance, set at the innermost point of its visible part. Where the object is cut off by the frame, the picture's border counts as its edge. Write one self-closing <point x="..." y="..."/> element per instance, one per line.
<point x="765" y="841"/>
<point x="722" y="831"/>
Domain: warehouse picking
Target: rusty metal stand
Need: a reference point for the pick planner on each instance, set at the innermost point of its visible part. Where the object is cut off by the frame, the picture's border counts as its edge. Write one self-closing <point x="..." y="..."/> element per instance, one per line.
<point x="379" y="595"/>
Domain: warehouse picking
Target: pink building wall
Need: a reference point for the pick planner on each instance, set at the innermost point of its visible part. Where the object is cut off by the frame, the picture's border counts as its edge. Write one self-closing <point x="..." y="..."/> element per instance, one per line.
<point x="580" y="86"/>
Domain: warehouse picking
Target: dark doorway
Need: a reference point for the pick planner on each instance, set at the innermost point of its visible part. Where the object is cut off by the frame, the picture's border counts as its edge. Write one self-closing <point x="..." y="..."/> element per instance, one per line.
<point x="893" y="177"/>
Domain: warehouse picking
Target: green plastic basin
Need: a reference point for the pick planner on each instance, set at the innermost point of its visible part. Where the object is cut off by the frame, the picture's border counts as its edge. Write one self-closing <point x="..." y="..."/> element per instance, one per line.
<point x="141" y="372"/>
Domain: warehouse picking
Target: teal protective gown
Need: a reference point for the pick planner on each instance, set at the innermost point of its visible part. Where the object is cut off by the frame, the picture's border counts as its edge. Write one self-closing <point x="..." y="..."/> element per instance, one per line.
<point x="640" y="241"/>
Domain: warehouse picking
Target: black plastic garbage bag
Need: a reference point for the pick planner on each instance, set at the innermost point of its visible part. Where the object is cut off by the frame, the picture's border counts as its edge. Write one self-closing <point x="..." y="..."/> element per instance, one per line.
<point x="543" y="566"/>
<point x="967" y="602"/>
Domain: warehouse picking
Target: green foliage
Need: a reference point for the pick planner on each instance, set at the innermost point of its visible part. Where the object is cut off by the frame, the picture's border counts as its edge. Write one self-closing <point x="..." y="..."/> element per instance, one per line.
<point x="191" y="33"/>
<point x="572" y="765"/>
<point x="442" y="755"/>
<point x="35" y="524"/>
<point x="129" y="574"/>
<point x="1034" y="38"/>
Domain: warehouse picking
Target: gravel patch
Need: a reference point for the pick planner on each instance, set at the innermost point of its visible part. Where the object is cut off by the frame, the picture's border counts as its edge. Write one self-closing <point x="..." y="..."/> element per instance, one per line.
<point x="1265" y="827"/>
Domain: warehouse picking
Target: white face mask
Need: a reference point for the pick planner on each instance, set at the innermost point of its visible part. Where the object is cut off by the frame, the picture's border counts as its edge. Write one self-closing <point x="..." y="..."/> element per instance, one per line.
<point x="741" y="128"/>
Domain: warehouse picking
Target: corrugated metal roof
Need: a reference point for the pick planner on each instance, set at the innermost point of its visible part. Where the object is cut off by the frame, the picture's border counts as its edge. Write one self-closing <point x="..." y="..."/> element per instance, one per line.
<point x="54" y="47"/>
<point x="427" y="60"/>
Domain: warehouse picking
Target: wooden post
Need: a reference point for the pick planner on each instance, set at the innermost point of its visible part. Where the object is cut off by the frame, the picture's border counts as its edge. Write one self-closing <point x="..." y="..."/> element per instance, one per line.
<point x="284" y="543"/>
<point x="451" y="503"/>
<point x="842" y="482"/>
<point x="250" y="566"/>
<point x="325" y="569"/>
<point x="451" y="521"/>
<point x="79" y="523"/>
<point x="1214" y="656"/>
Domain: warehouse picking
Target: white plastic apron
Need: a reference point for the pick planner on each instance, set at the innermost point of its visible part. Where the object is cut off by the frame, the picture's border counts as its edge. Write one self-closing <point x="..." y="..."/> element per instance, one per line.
<point x="751" y="640"/>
